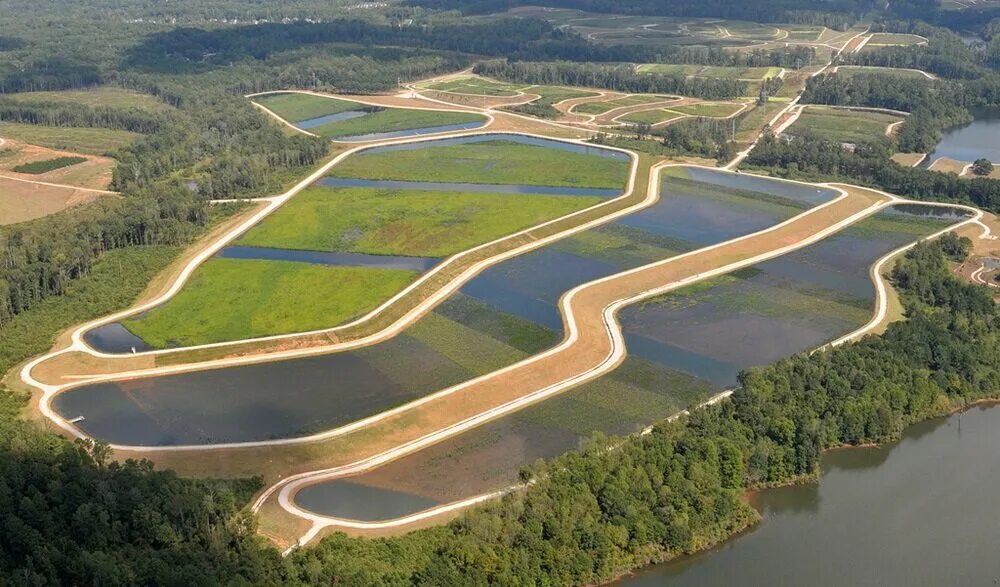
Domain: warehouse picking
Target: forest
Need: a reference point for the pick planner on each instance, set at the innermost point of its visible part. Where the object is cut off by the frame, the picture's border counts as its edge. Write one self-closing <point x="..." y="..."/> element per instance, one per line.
<point x="73" y="517"/>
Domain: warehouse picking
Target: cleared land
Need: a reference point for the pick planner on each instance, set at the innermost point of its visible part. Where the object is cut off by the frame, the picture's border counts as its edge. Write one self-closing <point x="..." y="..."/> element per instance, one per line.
<point x="716" y="71"/>
<point x="495" y="161"/>
<point x="847" y="126"/>
<point x="229" y="299"/>
<point x="93" y="172"/>
<point x="851" y="70"/>
<point x="708" y="109"/>
<point x="477" y="86"/>
<point x="21" y="201"/>
<point x="602" y="107"/>
<point x="299" y="107"/>
<point x="102" y="96"/>
<point x="652" y="116"/>
<point x="403" y="222"/>
<point x="95" y="141"/>
<point x="895" y="39"/>
<point x="552" y="94"/>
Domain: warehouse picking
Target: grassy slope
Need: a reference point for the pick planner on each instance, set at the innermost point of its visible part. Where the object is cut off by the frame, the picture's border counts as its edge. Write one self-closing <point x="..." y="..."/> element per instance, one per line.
<point x="299" y="107"/>
<point x="95" y="141"/>
<point x="708" y="109"/>
<point x="477" y="86"/>
<point x="602" y="107"/>
<point x="229" y="299"/>
<point x="553" y="94"/>
<point x="849" y="70"/>
<point x="650" y="116"/>
<point x="103" y="96"/>
<point x="844" y="125"/>
<point x="503" y="162"/>
<point x="394" y="120"/>
<point x="403" y="222"/>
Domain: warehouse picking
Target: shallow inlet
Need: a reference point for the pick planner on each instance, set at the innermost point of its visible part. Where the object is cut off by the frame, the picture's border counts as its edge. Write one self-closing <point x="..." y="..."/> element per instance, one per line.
<point x="256" y="402"/>
<point x="911" y="513"/>
<point x="338" y="117"/>
<point x="682" y="347"/>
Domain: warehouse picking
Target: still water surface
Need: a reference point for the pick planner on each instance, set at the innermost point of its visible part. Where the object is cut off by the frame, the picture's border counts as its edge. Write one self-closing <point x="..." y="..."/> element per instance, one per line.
<point x="919" y="512"/>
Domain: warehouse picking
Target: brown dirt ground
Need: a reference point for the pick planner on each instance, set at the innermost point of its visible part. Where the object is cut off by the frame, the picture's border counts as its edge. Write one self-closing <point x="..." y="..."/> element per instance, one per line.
<point x="94" y="173"/>
<point x="21" y="201"/>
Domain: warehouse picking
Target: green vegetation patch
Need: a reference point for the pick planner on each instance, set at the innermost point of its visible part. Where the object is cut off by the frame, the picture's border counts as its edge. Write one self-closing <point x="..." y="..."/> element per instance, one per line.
<point x="470" y="348"/>
<point x="651" y="116"/>
<point x="232" y="299"/>
<point x="895" y="39"/>
<point x="524" y="335"/>
<point x="494" y="161"/>
<point x="392" y="120"/>
<point x="708" y="109"/>
<point x="848" y="126"/>
<point x="403" y="222"/>
<point x="299" y="107"/>
<point x="602" y="107"/>
<point x="94" y="141"/>
<point x="553" y="94"/>
<point x="852" y="70"/>
<point x="106" y="96"/>
<point x="716" y="71"/>
<point x="476" y="85"/>
<point x="44" y="166"/>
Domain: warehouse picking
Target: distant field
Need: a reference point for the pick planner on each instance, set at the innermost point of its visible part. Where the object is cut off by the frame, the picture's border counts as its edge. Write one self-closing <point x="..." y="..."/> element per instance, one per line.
<point x="230" y="299"/>
<point x="754" y="73"/>
<point x="403" y="222"/>
<point x="394" y="119"/>
<point x="602" y="107"/>
<point x="895" y="39"/>
<point x="495" y="161"/>
<point x="848" y="126"/>
<point x="95" y="141"/>
<point x="850" y="70"/>
<point x="651" y="116"/>
<point x="708" y="109"/>
<point x="554" y="94"/>
<point x="299" y="107"/>
<point x="476" y="86"/>
<point x="101" y="96"/>
<point x="803" y="33"/>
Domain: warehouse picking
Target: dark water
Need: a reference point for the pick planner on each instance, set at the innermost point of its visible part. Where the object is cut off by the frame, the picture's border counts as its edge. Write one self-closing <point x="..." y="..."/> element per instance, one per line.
<point x="330" y="118"/>
<point x="114" y="338"/>
<point x="413" y="132"/>
<point x="293" y="398"/>
<point x="524" y="140"/>
<point x="919" y="512"/>
<point x="489" y="188"/>
<point x="359" y="502"/>
<point x="327" y="258"/>
<point x="972" y="141"/>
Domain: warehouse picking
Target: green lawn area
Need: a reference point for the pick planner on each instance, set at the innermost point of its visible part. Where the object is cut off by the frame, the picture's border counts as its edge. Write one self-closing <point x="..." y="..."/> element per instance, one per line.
<point x="95" y="141"/>
<point x="232" y="299"/>
<point x="848" y="126"/>
<point x="895" y="39"/>
<point x="101" y="96"/>
<point x="708" y="109"/>
<point x="552" y="94"/>
<point x="403" y="222"/>
<point x="299" y="107"/>
<point x="477" y="86"/>
<point x="849" y="70"/>
<point x="651" y="116"/>
<point x="602" y="107"/>
<point x="717" y="71"/>
<point x="494" y="161"/>
<point x="394" y="119"/>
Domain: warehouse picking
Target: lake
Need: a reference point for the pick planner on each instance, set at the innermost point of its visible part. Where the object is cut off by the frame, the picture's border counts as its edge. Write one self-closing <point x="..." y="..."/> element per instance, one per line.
<point x="972" y="141"/>
<point x="917" y="512"/>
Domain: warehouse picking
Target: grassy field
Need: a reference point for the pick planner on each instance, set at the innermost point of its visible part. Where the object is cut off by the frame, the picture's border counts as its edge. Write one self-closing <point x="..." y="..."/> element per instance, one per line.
<point x="850" y="70"/>
<point x="95" y="141"/>
<point x="848" y="126"/>
<point x="754" y="73"/>
<point x="477" y="86"/>
<point x="299" y="107"/>
<point x="391" y="120"/>
<point x="602" y="107"/>
<point x="651" y="116"/>
<point x="102" y="96"/>
<point x="499" y="161"/>
<point x="230" y="299"/>
<point x="552" y="94"/>
<point x="894" y="39"/>
<point x="749" y="125"/>
<point x="403" y="222"/>
<point x="708" y="109"/>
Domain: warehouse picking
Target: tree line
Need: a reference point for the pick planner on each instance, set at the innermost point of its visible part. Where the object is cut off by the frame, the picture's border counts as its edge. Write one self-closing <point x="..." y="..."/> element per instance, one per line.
<point x="622" y="78"/>
<point x="80" y="115"/>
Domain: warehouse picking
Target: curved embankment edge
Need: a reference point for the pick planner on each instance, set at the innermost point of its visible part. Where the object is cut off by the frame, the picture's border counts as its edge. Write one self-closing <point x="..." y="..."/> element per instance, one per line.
<point x="289" y="487"/>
